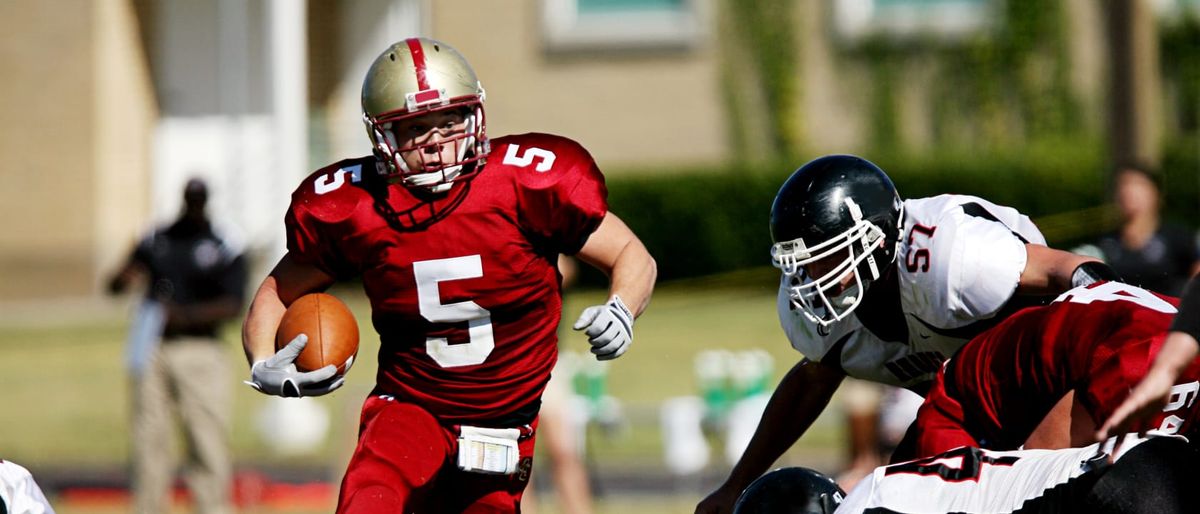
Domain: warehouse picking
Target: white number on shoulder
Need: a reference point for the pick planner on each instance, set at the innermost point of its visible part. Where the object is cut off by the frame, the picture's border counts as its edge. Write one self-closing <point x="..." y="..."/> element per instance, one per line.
<point x="326" y="183"/>
<point x="429" y="274"/>
<point x="1182" y="396"/>
<point x="1114" y="291"/>
<point x="526" y="158"/>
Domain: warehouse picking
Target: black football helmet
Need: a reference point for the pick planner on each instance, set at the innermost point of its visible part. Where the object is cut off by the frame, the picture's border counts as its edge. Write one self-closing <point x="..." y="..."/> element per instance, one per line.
<point x="790" y="491"/>
<point x="837" y="206"/>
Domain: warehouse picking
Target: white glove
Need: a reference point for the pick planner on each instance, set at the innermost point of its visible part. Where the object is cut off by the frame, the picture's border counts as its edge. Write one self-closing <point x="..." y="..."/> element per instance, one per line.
<point x="278" y="375"/>
<point x="609" y="328"/>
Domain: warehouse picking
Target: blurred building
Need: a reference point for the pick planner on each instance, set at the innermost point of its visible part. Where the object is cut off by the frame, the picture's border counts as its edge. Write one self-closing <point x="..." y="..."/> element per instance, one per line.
<point x="110" y="105"/>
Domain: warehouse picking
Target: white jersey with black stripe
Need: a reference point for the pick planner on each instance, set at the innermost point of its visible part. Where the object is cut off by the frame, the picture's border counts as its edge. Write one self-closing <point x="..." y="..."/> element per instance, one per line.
<point x="972" y="480"/>
<point x="959" y="261"/>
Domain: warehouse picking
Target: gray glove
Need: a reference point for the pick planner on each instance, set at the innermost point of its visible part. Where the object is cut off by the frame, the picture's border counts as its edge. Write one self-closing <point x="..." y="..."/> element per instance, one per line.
<point x="278" y="375"/>
<point x="609" y="328"/>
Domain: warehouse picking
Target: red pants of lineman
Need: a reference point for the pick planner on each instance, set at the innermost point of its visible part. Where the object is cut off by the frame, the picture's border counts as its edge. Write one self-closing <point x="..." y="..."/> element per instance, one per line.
<point x="939" y="427"/>
<point x="405" y="462"/>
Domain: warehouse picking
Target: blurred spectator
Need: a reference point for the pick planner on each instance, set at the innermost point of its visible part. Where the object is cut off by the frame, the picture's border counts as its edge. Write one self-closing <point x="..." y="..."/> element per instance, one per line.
<point x="195" y="281"/>
<point x="19" y="493"/>
<point x="1145" y="251"/>
<point x="557" y="434"/>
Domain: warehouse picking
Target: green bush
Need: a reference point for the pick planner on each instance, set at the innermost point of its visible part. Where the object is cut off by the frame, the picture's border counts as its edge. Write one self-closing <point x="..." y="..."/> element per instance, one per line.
<point x="704" y="221"/>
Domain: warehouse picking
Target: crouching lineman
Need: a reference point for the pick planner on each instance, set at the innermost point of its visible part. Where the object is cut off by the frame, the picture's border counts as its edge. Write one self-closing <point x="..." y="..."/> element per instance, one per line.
<point x="1142" y="475"/>
<point x="884" y="289"/>
<point x="1097" y="341"/>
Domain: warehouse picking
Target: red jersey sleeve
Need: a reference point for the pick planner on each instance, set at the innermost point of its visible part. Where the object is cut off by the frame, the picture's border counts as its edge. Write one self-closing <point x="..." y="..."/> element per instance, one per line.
<point x="561" y="194"/>
<point x="318" y="214"/>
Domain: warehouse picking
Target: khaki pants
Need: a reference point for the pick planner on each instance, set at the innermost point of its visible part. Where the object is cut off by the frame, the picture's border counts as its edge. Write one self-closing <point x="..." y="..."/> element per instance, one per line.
<point x="189" y="378"/>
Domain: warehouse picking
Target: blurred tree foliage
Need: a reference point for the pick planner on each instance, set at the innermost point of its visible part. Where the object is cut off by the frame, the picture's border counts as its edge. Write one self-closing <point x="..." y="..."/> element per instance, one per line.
<point x="999" y="88"/>
<point x="758" y="77"/>
<point x="1180" y="58"/>
<point x="1006" y="126"/>
<point x="703" y="221"/>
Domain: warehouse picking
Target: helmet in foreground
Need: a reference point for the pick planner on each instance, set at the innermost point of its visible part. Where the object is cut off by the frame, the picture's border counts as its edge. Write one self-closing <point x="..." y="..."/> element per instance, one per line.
<point x="790" y="491"/>
<point x="418" y="77"/>
<point x="839" y="214"/>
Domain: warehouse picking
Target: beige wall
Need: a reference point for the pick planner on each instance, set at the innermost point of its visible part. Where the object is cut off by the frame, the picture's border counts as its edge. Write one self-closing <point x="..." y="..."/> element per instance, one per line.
<point x="70" y="114"/>
<point x="628" y="109"/>
<point x="126" y="115"/>
<point x="832" y="111"/>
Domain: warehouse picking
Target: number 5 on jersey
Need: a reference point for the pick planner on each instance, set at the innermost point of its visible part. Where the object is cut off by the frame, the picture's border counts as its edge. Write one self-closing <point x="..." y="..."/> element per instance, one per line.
<point x="429" y="275"/>
<point x="545" y="157"/>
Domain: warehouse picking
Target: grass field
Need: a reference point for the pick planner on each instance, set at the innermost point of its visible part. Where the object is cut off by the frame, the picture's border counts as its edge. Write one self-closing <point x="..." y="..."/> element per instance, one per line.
<point x="66" y="405"/>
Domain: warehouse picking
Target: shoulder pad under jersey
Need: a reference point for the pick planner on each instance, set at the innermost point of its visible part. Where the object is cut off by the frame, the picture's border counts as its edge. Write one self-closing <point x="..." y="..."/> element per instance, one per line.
<point x="960" y="258"/>
<point x="334" y="192"/>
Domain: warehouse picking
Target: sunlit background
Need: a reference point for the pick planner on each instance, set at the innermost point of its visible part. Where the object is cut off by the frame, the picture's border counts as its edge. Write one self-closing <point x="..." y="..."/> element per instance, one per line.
<point x="696" y="110"/>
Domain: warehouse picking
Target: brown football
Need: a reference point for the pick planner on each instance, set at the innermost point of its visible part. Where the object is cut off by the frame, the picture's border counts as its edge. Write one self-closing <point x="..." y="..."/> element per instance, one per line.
<point x="331" y="328"/>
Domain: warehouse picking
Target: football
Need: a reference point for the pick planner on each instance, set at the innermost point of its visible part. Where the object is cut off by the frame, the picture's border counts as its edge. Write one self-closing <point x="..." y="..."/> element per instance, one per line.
<point x="331" y="328"/>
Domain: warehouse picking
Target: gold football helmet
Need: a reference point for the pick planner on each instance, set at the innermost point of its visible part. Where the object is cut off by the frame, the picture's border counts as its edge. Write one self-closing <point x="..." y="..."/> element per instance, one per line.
<point x="416" y="77"/>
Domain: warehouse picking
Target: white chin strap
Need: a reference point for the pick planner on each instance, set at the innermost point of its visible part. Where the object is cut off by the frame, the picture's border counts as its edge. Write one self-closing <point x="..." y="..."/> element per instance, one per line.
<point x="435" y="181"/>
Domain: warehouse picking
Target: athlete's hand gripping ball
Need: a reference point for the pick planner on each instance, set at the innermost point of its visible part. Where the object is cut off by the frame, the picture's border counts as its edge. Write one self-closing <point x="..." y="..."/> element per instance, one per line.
<point x="278" y="375"/>
<point x="609" y="328"/>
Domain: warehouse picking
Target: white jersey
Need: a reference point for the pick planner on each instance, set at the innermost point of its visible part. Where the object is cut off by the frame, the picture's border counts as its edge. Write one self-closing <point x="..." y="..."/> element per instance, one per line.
<point x="974" y="481"/>
<point x="959" y="261"/>
<point x="18" y="491"/>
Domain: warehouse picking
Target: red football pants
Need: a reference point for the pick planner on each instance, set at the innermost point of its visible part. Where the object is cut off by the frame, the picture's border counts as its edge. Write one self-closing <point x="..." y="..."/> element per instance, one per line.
<point x="405" y="462"/>
<point x="939" y="427"/>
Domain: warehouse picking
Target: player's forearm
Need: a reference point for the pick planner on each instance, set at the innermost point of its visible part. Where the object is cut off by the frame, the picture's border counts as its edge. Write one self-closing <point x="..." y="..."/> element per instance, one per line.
<point x="258" y="331"/>
<point x="1176" y="353"/>
<point x="1049" y="271"/>
<point x="633" y="276"/>
<point x="289" y="280"/>
<point x="798" y="400"/>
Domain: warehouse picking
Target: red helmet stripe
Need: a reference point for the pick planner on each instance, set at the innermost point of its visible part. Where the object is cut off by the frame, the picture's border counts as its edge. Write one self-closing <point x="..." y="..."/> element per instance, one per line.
<point x="418" y="57"/>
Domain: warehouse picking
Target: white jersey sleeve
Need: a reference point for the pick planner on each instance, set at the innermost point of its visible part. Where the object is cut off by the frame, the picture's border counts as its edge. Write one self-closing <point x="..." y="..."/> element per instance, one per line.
<point x="974" y="480"/>
<point x="19" y="492"/>
<point x="961" y="258"/>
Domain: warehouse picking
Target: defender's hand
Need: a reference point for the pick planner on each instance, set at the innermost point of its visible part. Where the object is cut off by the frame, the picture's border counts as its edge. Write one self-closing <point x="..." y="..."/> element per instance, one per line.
<point x="609" y="328"/>
<point x="278" y="375"/>
<point x="1146" y="399"/>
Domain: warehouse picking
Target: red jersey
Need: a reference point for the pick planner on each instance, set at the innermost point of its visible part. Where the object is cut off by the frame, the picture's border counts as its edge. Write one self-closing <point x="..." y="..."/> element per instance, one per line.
<point x="464" y="287"/>
<point x="1098" y="340"/>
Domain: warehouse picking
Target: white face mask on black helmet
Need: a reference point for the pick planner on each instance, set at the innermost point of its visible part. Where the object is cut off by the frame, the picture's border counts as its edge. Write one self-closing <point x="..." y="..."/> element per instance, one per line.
<point x="811" y="295"/>
<point x="839" y="216"/>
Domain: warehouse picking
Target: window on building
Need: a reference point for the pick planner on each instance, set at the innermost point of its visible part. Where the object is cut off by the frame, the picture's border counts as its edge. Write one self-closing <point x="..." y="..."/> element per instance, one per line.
<point x="581" y="25"/>
<point x="856" y="19"/>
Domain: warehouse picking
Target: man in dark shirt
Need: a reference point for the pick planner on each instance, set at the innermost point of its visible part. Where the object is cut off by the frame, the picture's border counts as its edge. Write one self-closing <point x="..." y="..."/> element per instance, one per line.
<point x="1145" y="251"/>
<point x="195" y="281"/>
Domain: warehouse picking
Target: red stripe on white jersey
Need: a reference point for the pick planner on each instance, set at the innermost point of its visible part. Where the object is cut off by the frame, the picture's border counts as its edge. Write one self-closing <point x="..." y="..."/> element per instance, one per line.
<point x="418" y="57"/>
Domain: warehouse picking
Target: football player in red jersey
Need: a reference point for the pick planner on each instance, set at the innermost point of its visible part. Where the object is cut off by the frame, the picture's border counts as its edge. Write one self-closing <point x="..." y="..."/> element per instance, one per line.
<point x="1097" y="341"/>
<point x="456" y="239"/>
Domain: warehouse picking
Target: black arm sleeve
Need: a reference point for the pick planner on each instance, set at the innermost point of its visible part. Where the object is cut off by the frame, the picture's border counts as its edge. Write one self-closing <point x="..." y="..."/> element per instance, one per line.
<point x="1091" y="272"/>
<point x="1188" y="319"/>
